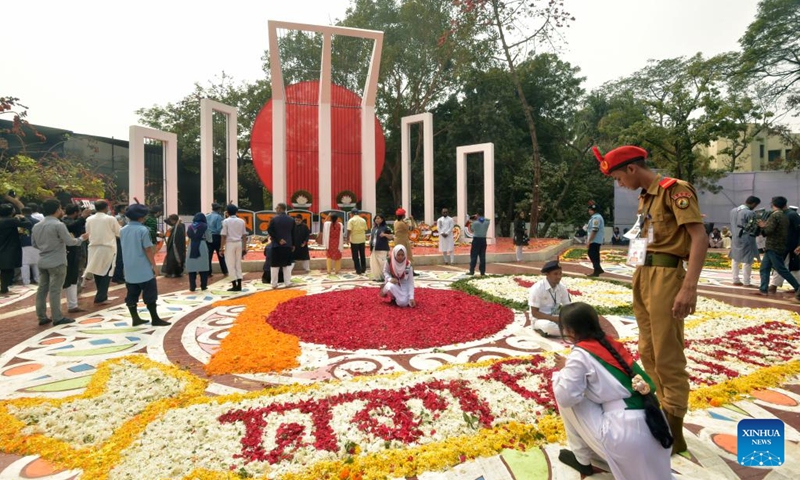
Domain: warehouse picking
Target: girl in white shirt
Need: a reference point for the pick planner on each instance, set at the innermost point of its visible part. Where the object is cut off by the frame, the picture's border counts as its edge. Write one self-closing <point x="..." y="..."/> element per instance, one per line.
<point x="608" y="404"/>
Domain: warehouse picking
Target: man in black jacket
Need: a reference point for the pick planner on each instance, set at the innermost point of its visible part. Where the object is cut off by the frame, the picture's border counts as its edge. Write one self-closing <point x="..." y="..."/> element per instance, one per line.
<point x="791" y="260"/>
<point x="281" y="231"/>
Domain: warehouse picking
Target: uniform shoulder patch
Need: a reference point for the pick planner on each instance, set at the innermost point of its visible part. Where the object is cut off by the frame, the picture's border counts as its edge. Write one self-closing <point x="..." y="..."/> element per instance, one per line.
<point x="667" y="182"/>
<point x="681" y="199"/>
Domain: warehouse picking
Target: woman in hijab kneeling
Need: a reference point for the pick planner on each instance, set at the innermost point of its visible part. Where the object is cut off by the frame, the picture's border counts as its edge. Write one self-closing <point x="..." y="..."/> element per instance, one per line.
<point x="199" y="239"/>
<point x="399" y="275"/>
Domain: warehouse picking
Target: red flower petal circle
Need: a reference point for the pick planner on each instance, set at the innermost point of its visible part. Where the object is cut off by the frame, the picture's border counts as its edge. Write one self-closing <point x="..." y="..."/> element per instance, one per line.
<point x="360" y="319"/>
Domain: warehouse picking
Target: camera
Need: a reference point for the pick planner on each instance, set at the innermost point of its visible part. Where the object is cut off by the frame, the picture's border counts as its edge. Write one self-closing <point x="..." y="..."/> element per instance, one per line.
<point x="12" y="193"/>
<point x="751" y="227"/>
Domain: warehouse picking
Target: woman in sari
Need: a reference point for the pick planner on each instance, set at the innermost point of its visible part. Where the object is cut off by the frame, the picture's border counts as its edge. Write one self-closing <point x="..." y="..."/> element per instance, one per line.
<point x="333" y="241"/>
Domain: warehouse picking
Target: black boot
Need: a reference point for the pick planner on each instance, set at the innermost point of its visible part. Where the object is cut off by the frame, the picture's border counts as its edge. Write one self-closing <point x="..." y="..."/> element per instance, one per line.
<point x="568" y="458"/>
<point x="155" y="320"/>
<point x="676" y="427"/>
<point x="135" y="316"/>
<point x="238" y="285"/>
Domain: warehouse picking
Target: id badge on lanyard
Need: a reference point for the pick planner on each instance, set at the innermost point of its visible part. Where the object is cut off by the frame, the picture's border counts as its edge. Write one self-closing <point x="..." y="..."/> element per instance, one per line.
<point x="637" y="249"/>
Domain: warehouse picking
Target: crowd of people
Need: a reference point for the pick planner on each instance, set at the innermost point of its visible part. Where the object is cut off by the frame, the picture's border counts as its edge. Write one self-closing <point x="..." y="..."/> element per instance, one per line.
<point x="61" y="247"/>
<point x="779" y="248"/>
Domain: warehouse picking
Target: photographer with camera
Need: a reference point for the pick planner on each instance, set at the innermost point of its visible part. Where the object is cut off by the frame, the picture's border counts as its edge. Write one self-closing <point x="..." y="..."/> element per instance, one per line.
<point x="776" y="229"/>
<point x="743" y="246"/>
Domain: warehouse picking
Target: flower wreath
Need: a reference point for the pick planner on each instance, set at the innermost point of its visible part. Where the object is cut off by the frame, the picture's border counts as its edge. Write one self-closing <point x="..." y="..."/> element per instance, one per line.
<point x="344" y="194"/>
<point x="302" y="193"/>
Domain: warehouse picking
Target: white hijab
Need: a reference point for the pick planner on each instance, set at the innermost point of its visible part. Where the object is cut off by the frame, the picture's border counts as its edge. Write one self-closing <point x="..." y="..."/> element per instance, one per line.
<point x="398" y="269"/>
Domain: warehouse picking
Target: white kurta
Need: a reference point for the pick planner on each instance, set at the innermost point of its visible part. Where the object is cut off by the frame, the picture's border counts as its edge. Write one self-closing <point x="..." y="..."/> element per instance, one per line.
<point x="403" y="291"/>
<point x="591" y="403"/>
<point x="103" y="231"/>
<point x="444" y="225"/>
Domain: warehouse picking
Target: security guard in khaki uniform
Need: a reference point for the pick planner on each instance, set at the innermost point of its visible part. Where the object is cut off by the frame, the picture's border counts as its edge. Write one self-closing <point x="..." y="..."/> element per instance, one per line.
<point x="664" y="294"/>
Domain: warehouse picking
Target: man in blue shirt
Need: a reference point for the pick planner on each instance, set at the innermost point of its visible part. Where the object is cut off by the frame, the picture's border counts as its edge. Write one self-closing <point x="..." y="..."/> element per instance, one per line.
<point x="480" y="227"/>
<point x="596" y="230"/>
<point x="138" y="254"/>
<point x="215" y="227"/>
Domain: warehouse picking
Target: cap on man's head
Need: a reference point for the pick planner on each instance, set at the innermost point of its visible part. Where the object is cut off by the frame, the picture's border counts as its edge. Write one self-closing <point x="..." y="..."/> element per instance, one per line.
<point x="232" y="209"/>
<point x="550" y="266"/>
<point x="619" y="157"/>
<point x="354" y="211"/>
<point x="400" y="211"/>
<point x="137" y="211"/>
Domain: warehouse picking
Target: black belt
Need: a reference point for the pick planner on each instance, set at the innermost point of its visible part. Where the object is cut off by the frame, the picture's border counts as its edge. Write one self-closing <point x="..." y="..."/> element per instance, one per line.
<point x="661" y="260"/>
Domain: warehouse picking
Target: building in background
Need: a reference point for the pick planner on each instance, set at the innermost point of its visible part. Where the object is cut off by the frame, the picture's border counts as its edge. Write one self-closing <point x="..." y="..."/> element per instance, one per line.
<point x="766" y="152"/>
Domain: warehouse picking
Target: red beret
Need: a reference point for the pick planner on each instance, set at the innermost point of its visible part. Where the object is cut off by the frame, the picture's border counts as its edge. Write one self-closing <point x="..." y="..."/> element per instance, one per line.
<point x="618" y="157"/>
<point x="400" y="211"/>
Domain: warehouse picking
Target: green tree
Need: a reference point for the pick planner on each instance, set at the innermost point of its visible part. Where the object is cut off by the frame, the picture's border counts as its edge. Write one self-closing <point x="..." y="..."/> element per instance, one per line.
<point x="771" y="48"/>
<point x="682" y="107"/>
<point x="47" y="175"/>
<point x="183" y="119"/>
<point x="488" y="111"/>
<point x="515" y="40"/>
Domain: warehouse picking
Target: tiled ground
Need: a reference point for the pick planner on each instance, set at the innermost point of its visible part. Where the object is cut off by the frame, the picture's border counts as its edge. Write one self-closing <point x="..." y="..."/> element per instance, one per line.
<point x="57" y="361"/>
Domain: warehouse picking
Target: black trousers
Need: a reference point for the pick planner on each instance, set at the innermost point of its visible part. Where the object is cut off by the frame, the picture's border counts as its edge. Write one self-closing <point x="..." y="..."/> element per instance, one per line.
<point x="477" y="251"/>
<point x="101" y="282"/>
<point x="6" y="279"/>
<point x="214" y="246"/>
<point x="594" y="256"/>
<point x="119" y="267"/>
<point x="148" y="290"/>
<point x="359" y="257"/>
<point x="193" y="280"/>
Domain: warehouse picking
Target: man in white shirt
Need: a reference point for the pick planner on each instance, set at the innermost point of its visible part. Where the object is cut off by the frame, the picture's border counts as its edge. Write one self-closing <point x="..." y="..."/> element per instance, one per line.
<point x="103" y="230"/>
<point x="444" y="225"/>
<point x="233" y="239"/>
<point x="545" y="299"/>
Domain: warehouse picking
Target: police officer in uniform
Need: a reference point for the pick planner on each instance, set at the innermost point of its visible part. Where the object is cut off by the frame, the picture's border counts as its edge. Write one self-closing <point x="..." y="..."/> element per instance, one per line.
<point x="664" y="294"/>
<point x="596" y="231"/>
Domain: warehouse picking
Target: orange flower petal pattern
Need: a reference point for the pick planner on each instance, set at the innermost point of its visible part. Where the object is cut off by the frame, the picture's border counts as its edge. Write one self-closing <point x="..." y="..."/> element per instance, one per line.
<point x="252" y="345"/>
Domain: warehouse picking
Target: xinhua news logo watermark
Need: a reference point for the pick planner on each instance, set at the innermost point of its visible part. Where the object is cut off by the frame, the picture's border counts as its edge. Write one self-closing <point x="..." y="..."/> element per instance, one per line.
<point x="761" y="443"/>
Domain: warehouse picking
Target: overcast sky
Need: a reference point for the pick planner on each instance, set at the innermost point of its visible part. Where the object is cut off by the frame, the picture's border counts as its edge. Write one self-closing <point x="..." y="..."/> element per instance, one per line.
<point x="86" y="66"/>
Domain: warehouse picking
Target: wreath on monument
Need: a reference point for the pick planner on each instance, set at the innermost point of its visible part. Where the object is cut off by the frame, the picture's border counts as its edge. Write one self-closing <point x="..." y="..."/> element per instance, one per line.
<point x="302" y="199"/>
<point x="346" y="198"/>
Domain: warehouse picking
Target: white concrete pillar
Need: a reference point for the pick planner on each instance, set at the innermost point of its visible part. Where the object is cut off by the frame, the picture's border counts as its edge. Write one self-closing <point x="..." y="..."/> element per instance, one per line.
<point x="207" y="109"/>
<point x="136" y="137"/>
<point x="405" y="162"/>
<point x="488" y="185"/>
<point x="325" y="167"/>
<point x="369" y="201"/>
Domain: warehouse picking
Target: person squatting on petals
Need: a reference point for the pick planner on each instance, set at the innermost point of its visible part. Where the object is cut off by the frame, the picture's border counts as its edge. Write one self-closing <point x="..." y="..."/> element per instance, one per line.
<point x="608" y="404"/>
<point x="546" y="298"/>
<point x="399" y="275"/>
